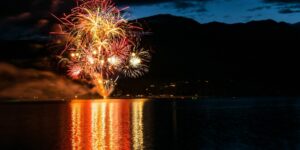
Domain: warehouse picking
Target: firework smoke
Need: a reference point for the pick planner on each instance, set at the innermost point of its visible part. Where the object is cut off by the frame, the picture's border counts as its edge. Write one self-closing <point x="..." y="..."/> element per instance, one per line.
<point x="101" y="45"/>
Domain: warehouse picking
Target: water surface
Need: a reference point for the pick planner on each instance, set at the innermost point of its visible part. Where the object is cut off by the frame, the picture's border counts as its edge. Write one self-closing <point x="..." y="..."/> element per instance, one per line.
<point x="210" y="123"/>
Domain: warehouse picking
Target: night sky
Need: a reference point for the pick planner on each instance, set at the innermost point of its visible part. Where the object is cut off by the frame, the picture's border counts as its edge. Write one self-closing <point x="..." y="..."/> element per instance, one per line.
<point x="204" y="11"/>
<point x="227" y="11"/>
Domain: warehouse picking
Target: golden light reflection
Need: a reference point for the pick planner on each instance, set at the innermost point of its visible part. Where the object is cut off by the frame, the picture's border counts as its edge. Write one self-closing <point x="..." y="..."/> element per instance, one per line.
<point x="98" y="125"/>
<point x="75" y="127"/>
<point x="107" y="124"/>
<point x="137" y="125"/>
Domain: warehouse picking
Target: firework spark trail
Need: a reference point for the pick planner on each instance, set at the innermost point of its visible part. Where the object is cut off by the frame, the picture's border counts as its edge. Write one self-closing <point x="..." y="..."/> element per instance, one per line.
<point x="101" y="45"/>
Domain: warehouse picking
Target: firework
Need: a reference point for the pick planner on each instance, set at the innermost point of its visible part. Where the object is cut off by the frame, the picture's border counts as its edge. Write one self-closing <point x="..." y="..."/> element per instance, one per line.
<point x="101" y="45"/>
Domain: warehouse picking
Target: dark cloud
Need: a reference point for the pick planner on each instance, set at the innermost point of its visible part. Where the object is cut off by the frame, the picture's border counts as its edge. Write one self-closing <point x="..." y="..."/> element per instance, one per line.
<point x="259" y="8"/>
<point x="286" y="6"/>
<point x="183" y="4"/>
<point x="140" y="2"/>
<point x="37" y="7"/>
<point x="191" y="5"/>
<point x="201" y="9"/>
<point x="19" y="83"/>
<point x="30" y="20"/>
<point x="288" y="11"/>
<point x="188" y="5"/>
<point x="248" y="17"/>
<point x="147" y="2"/>
<point x="282" y="1"/>
<point x="294" y="6"/>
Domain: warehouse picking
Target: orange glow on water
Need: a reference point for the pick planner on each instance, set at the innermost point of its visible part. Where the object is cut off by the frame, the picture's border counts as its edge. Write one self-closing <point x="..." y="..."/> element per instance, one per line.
<point x="76" y="123"/>
<point x="137" y="124"/>
<point x="107" y="124"/>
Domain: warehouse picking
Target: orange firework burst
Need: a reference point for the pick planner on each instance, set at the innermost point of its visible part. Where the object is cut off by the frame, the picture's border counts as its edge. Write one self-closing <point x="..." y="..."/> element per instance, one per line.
<point x="101" y="45"/>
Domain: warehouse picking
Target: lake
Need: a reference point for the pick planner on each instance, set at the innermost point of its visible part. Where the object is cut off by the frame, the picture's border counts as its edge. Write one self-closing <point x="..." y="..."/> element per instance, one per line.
<point x="137" y="124"/>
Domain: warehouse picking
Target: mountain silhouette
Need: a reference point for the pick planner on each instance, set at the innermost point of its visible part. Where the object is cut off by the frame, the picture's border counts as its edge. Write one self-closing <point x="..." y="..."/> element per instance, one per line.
<point x="258" y="49"/>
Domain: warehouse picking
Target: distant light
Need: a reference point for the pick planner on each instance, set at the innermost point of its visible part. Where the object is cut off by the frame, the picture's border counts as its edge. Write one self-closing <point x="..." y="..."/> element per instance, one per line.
<point x="94" y="52"/>
<point x="113" y="60"/>
<point x="90" y="59"/>
<point x="135" y="61"/>
<point x="101" y="61"/>
<point x="100" y="81"/>
<point x="172" y="85"/>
